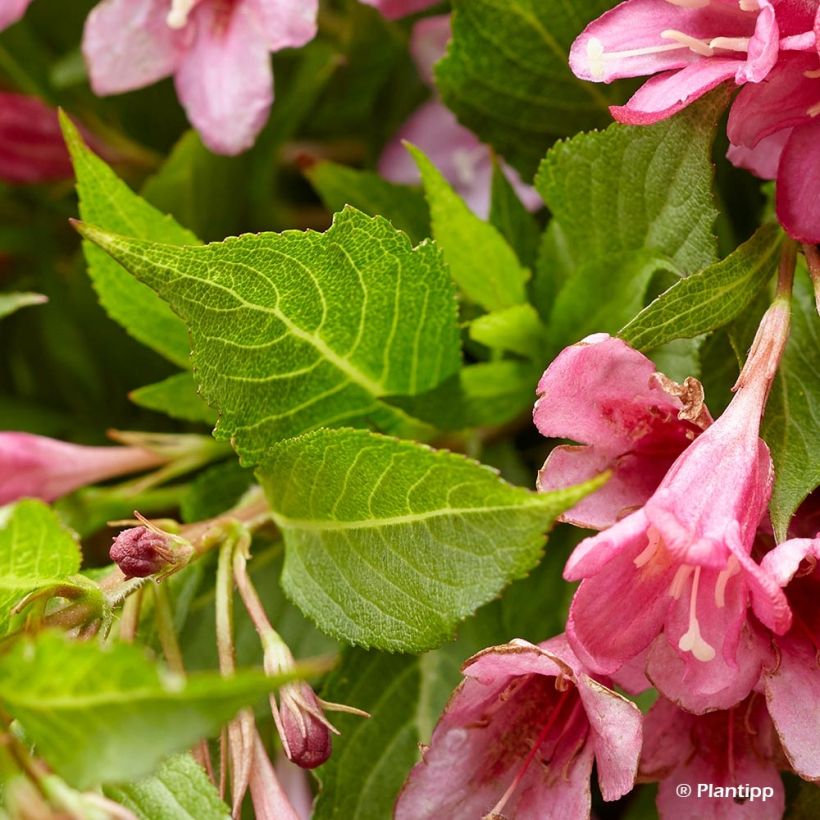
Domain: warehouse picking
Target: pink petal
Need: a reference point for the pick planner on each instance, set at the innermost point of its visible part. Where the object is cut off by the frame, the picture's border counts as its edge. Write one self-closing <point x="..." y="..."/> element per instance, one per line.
<point x="600" y="391"/>
<point x="784" y="560"/>
<point x="798" y="183"/>
<point x="794" y="17"/>
<point x="285" y="23"/>
<point x="393" y="9"/>
<point x="11" y="11"/>
<point x="764" y="47"/>
<point x="792" y="694"/>
<point x="127" y="44"/>
<point x="637" y="25"/>
<point x="781" y="101"/>
<point x="764" y="159"/>
<point x="270" y="802"/>
<point x="616" y="736"/>
<point x="667" y="739"/>
<point x="666" y="94"/>
<point x="225" y="80"/>
<point x="428" y="42"/>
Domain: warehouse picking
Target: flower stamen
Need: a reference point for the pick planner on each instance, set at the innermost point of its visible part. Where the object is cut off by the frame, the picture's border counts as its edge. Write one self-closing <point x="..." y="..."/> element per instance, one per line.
<point x="692" y="641"/>
<point x="178" y="15"/>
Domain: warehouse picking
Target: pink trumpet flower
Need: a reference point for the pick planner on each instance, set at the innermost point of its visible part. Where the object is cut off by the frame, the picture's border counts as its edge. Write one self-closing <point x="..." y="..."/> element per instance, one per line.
<point x="607" y="395"/>
<point x="39" y="467"/>
<point x="217" y="50"/>
<point x="683" y="560"/>
<point x="11" y="11"/>
<point x="792" y="684"/>
<point x="719" y="756"/>
<point x="518" y="739"/>
<point x="691" y="46"/>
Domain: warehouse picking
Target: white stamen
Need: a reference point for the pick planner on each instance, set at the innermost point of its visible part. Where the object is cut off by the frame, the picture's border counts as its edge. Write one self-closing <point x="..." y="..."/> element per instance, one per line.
<point x="652" y="547"/>
<point x="732" y="568"/>
<point x="814" y="110"/>
<point x="812" y="75"/>
<point x="595" y="55"/>
<point x="749" y="5"/>
<point x="178" y="15"/>
<point x="690" y="4"/>
<point x="692" y="43"/>
<point x="693" y="641"/>
<point x="679" y="581"/>
<point x="730" y="43"/>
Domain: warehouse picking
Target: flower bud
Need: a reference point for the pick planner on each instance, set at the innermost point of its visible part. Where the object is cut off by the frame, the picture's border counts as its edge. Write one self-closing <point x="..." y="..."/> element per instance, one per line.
<point x="143" y="551"/>
<point x="304" y="729"/>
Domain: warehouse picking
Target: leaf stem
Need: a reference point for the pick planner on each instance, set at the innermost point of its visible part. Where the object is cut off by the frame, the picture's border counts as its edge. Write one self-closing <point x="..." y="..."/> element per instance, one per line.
<point x="812" y="253"/>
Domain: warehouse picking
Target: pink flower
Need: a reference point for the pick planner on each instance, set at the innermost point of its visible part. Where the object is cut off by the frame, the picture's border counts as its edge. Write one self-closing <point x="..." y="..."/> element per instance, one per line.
<point x="11" y="11"/>
<point x="676" y="576"/>
<point x="217" y="50"/>
<point x="792" y="684"/>
<point x="393" y="9"/>
<point x="605" y="394"/>
<point x="463" y="160"/>
<point x="774" y="132"/>
<point x="40" y="467"/>
<point x="728" y="750"/>
<point x="518" y="739"/>
<point x="270" y="800"/>
<point x="691" y="45"/>
<point x="32" y="149"/>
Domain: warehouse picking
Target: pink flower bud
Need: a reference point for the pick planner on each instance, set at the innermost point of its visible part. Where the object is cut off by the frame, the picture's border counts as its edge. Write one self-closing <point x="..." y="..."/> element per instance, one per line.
<point x="40" y="467"/>
<point x="304" y="729"/>
<point x="140" y="552"/>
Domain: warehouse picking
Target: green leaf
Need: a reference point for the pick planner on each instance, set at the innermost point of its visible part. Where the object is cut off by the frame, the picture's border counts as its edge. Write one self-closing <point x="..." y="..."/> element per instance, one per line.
<point x="175" y="396"/>
<point x="402" y="205"/>
<point x="637" y="189"/>
<point x="390" y="688"/>
<point x="297" y="330"/>
<point x="12" y="302"/>
<point x="480" y="395"/>
<point x="107" y="715"/>
<point x="790" y="423"/>
<point x="180" y="790"/>
<point x="517" y="329"/>
<point x="481" y="262"/>
<point x="711" y="298"/>
<point x="515" y="223"/>
<point x="214" y="491"/>
<point x="390" y="543"/>
<point x="107" y="201"/>
<point x="506" y="75"/>
<point x="35" y="551"/>
<point x="680" y="359"/>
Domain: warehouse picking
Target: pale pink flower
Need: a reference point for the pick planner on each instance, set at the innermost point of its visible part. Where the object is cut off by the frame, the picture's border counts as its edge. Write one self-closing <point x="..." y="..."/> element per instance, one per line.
<point x="39" y="467"/>
<point x="269" y="798"/>
<point x="393" y="9"/>
<point x="691" y="46"/>
<point x="519" y="737"/>
<point x="463" y="160"/>
<point x="774" y="130"/>
<point x="605" y="394"/>
<point x="11" y="11"/>
<point x="217" y="50"/>
<point x="727" y="750"/>
<point x="792" y="683"/>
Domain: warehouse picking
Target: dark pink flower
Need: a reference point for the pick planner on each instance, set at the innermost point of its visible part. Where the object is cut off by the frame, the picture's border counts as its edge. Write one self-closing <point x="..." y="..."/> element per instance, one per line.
<point x="728" y="750"/>
<point x="39" y="467"/>
<point x="217" y="50"/>
<point x="519" y="737"/>
<point x="11" y="11"/>
<point x="464" y="161"/>
<point x="691" y="46"/>
<point x="304" y="729"/>
<point x="792" y="684"/>
<point x="148" y="550"/>
<point x="774" y="132"/>
<point x="605" y="394"/>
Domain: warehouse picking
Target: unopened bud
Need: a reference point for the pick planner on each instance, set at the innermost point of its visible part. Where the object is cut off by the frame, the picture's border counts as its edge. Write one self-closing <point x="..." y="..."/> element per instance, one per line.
<point x="142" y="551"/>
<point x="304" y="729"/>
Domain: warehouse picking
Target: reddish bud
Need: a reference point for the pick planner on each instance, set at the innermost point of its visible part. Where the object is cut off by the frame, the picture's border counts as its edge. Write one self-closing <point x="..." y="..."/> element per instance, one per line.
<point x="304" y="729"/>
<point x="140" y="552"/>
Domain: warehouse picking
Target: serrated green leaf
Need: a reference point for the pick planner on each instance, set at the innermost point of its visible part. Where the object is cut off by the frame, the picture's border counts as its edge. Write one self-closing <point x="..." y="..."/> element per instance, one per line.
<point x="631" y="189"/>
<point x="175" y="396"/>
<point x="12" y="302"/>
<point x="790" y="423"/>
<point x="517" y="329"/>
<point x="515" y="223"/>
<point x="679" y="359"/>
<point x="107" y="715"/>
<point x="339" y="186"/>
<point x="710" y="298"/>
<point x="481" y="262"/>
<point x="297" y="330"/>
<point x="36" y="550"/>
<point x="389" y="543"/>
<point x="506" y="74"/>
<point x="180" y="790"/>
<point x="107" y="201"/>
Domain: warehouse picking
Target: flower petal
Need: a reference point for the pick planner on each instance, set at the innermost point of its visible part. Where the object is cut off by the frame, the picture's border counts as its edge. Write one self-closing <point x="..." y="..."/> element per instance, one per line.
<point x="428" y="42"/>
<point x="798" y="183"/>
<point x="764" y="159"/>
<point x="286" y="23"/>
<point x="11" y="11"/>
